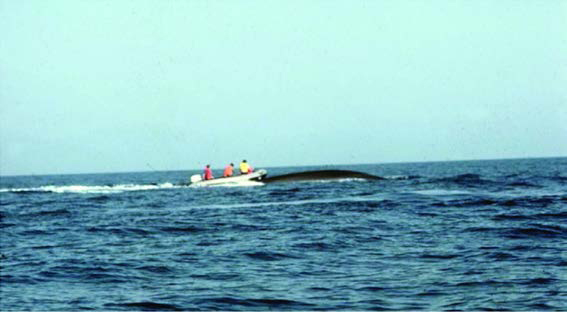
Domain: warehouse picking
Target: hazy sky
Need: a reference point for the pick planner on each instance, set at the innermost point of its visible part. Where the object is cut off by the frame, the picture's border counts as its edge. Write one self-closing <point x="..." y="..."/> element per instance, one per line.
<point x="104" y="86"/>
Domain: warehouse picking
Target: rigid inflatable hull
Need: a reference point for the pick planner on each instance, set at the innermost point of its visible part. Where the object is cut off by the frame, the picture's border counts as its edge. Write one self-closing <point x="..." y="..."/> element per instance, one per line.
<point x="255" y="176"/>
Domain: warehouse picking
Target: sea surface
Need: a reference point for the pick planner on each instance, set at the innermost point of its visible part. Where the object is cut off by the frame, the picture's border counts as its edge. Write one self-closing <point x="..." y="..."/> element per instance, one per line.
<point x="470" y="235"/>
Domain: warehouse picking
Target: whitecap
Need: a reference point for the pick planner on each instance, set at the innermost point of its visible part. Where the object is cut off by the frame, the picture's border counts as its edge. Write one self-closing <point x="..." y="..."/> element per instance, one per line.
<point x="441" y="192"/>
<point x="96" y="189"/>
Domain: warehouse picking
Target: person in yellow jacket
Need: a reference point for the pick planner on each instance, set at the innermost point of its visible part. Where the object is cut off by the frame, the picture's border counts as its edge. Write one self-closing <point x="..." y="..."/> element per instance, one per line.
<point x="244" y="167"/>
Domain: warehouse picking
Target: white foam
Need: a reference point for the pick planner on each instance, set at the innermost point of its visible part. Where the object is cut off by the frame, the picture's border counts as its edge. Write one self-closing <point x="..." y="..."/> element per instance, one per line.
<point x="440" y="192"/>
<point x="97" y="189"/>
<point x="534" y="192"/>
<point x="290" y="203"/>
<point x="396" y="177"/>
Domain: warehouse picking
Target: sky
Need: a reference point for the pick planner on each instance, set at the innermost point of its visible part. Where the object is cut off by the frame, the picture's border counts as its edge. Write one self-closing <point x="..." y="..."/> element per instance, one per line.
<point x="115" y="86"/>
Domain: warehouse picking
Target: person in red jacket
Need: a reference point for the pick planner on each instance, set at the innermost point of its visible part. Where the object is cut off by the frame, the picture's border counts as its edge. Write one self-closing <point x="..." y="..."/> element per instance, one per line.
<point x="228" y="170"/>
<point x="208" y="173"/>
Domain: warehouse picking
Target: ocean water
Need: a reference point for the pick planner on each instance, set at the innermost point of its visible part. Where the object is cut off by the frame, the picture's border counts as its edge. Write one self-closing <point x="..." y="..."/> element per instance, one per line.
<point x="472" y="235"/>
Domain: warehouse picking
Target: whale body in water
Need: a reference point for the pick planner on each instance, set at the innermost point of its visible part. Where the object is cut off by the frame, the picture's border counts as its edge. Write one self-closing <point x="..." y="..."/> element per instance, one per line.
<point x="321" y="175"/>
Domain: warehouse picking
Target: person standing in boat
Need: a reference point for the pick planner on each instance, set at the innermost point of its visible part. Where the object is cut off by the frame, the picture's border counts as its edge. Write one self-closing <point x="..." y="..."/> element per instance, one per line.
<point x="208" y="173"/>
<point x="244" y="167"/>
<point x="228" y="170"/>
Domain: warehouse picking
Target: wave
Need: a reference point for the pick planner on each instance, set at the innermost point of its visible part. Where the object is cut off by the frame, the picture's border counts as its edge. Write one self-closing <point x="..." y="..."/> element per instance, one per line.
<point x="146" y="306"/>
<point x="156" y="269"/>
<point x="92" y="189"/>
<point x="441" y="192"/>
<point x="530" y="201"/>
<point x="481" y="200"/>
<point x="285" y="192"/>
<point x="440" y="256"/>
<point x="537" y="231"/>
<point x="523" y="184"/>
<point x="520" y="217"/>
<point x="230" y="303"/>
<point x="467" y="178"/>
<point x="512" y="217"/>
<point x="120" y="231"/>
<point x="401" y="177"/>
<point x="181" y="230"/>
<point x="315" y="246"/>
<point x="557" y="178"/>
<point x="336" y="201"/>
<point x="558" y="215"/>
<point x="473" y="180"/>
<point x="269" y="256"/>
<point x="525" y="232"/>
<point x="50" y="213"/>
<point x="501" y="256"/>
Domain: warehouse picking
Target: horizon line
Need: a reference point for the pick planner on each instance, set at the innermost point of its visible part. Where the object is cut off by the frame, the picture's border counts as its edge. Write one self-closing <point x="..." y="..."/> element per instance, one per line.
<point x="293" y="166"/>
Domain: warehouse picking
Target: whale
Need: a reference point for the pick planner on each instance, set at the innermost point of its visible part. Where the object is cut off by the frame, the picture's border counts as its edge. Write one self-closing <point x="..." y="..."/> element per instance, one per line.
<point x="320" y="175"/>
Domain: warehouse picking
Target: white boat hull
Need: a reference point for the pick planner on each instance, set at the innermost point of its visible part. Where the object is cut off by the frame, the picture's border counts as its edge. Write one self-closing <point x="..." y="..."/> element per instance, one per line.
<point x="258" y="175"/>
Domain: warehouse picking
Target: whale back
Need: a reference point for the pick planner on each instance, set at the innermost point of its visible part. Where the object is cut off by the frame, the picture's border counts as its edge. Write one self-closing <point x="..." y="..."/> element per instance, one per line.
<point x="321" y="175"/>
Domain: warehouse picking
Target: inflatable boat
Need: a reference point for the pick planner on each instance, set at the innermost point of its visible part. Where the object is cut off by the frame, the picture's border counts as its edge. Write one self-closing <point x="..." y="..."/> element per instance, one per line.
<point x="259" y="175"/>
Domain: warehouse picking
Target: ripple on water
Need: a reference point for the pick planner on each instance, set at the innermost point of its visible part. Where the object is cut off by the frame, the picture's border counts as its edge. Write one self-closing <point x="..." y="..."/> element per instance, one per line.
<point x="462" y="236"/>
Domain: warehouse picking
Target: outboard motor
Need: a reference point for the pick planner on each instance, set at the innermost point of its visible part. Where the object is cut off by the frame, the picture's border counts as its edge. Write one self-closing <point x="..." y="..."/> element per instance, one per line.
<point x="196" y="178"/>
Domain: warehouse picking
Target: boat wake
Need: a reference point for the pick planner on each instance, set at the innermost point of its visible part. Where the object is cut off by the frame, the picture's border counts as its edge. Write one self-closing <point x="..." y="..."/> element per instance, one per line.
<point x="92" y="189"/>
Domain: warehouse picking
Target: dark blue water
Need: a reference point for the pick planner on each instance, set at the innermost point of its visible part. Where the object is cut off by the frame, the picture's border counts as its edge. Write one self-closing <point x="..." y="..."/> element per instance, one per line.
<point x="475" y="235"/>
